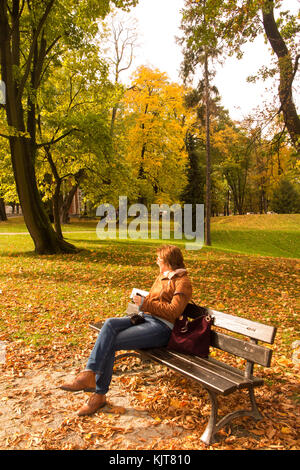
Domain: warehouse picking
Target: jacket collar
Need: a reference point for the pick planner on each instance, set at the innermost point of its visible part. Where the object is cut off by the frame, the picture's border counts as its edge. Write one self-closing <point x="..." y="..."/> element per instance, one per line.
<point x="170" y="274"/>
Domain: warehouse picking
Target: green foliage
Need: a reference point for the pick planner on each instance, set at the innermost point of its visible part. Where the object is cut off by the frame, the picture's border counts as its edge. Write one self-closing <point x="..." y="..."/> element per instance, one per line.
<point x="193" y="193"/>
<point x="69" y="92"/>
<point x="8" y="189"/>
<point x="74" y="104"/>
<point x="285" y="198"/>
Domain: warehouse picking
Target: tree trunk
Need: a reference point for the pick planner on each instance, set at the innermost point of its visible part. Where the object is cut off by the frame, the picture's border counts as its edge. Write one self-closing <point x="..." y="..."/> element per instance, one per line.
<point x="45" y="239"/>
<point x="113" y="120"/>
<point x="287" y="72"/>
<point x="56" y="202"/>
<point x="67" y="203"/>
<point x="3" y="215"/>
<point x="208" y="156"/>
<point x="56" y="198"/>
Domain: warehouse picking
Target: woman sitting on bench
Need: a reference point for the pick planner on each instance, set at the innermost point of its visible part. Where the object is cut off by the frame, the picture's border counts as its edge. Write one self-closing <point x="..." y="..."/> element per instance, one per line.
<point x="167" y="299"/>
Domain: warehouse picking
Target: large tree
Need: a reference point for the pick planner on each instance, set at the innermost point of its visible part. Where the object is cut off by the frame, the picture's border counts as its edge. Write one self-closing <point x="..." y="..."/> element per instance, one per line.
<point x="243" y="20"/>
<point x="75" y="100"/>
<point x="193" y="192"/>
<point x="211" y="26"/>
<point x="287" y="67"/>
<point x="156" y="122"/>
<point x="200" y="47"/>
<point x="32" y="35"/>
<point x="236" y="156"/>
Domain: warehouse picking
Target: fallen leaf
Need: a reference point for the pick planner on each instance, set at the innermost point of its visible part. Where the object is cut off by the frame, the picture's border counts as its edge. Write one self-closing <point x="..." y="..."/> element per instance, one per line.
<point x="285" y="430"/>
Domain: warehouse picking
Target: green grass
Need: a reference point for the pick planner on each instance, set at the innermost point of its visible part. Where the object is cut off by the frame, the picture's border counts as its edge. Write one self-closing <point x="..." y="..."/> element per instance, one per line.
<point x="258" y="234"/>
<point x="275" y="235"/>
<point x="52" y="298"/>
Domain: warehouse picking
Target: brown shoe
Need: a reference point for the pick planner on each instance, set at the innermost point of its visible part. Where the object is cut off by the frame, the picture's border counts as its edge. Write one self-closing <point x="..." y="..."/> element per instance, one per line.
<point x="84" y="381"/>
<point x="95" y="402"/>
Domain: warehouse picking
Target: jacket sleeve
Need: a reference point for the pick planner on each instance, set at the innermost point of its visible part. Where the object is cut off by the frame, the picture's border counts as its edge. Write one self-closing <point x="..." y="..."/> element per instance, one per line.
<point x="171" y="310"/>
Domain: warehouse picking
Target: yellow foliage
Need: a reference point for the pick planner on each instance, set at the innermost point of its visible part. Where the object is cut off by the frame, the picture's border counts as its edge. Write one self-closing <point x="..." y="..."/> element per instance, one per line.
<point x="156" y="125"/>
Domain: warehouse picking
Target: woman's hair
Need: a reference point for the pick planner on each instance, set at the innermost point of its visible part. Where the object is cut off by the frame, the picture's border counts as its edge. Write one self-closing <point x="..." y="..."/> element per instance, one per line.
<point x="171" y="255"/>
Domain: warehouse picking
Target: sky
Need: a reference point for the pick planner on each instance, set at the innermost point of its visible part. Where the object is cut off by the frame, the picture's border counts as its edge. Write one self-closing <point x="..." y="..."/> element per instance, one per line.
<point x="158" y="23"/>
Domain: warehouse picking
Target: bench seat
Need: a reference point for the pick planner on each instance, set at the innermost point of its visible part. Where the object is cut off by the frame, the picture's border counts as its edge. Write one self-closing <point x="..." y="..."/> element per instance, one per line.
<point x="212" y="374"/>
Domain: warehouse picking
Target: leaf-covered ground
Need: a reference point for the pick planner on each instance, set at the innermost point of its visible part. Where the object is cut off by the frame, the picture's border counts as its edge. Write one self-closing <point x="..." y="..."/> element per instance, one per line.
<point x="47" y="303"/>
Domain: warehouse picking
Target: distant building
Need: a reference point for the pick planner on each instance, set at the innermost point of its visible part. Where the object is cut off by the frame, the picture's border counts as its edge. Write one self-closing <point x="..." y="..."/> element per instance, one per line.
<point x="13" y="209"/>
<point x="76" y="206"/>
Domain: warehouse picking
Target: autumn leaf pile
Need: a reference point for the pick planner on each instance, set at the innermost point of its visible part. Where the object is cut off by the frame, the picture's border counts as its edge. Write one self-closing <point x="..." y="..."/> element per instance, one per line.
<point x="47" y="303"/>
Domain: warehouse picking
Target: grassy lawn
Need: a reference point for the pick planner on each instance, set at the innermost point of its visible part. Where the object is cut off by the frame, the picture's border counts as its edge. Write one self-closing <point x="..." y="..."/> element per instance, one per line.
<point x="96" y="281"/>
<point x="267" y="235"/>
<point x="48" y="301"/>
<point x="258" y="234"/>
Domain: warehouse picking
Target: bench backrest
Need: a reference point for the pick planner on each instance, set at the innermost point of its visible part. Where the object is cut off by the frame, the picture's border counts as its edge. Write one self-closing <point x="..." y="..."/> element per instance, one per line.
<point x="252" y="329"/>
<point x="247" y="349"/>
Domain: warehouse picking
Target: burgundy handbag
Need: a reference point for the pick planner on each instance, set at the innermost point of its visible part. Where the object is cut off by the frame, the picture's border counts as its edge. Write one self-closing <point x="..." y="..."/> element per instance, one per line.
<point x="191" y="337"/>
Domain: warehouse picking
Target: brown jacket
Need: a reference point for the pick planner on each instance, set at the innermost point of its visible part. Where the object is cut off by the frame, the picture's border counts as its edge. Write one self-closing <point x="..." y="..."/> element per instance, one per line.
<point x="168" y="298"/>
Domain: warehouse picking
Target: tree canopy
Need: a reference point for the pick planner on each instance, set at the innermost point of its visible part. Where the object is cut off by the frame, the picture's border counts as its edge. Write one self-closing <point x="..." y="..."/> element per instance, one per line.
<point x="69" y="122"/>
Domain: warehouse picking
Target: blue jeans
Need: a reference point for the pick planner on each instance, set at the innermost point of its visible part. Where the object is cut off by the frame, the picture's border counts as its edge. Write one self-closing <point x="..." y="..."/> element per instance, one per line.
<point x="119" y="334"/>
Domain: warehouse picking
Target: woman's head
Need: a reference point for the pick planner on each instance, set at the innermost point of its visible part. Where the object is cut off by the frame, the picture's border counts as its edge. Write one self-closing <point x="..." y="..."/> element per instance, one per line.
<point x="170" y="256"/>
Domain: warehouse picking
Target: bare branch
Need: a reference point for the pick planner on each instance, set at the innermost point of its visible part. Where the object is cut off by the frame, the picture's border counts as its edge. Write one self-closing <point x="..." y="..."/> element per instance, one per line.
<point x="4" y="136"/>
<point x="54" y="141"/>
<point x="295" y="66"/>
<point x="33" y="44"/>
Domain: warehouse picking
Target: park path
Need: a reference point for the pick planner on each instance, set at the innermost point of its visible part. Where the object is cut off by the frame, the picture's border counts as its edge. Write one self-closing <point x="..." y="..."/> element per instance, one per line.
<point x="36" y="414"/>
<point x="27" y="233"/>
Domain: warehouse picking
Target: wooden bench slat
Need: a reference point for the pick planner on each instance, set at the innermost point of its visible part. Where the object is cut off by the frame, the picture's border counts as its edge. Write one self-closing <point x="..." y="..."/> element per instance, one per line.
<point x="255" y="380"/>
<point x="234" y="375"/>
<point x="243" y="326"/>
<point x="250" y="351"/>
<point x="207" y="378"/>
<point x="96" y="326"/>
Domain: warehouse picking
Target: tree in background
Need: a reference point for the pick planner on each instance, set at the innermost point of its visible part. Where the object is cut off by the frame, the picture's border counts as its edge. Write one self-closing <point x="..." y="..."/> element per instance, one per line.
<point x="200" y="47"/>
<point x="120" y="54"/>
<point x="32" y="36"/>
<point x="196" y="145"/>
<point x="155" y="122"/>
<point x="193" y="193"/>
<point x="271" y="157"/>
<point x="74" y="101"/>
<point x="234" y="162"/>
<point x="8" y="193"/>
<point x="225" y="26"/>
<point x="243" y="21"/>
<point x="285" y="198"/>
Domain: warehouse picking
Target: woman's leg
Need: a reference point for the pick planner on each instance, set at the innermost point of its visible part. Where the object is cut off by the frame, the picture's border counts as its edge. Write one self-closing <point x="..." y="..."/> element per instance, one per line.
<point x="103" y="348"/>
<point x="118" y="334"/>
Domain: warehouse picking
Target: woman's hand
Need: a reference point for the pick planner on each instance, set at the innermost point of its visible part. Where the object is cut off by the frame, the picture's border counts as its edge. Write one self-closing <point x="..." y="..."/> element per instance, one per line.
<point x="137" y="299"/>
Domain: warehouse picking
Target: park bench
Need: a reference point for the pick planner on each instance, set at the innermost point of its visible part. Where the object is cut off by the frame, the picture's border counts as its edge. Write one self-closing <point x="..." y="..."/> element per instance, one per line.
<point x="216" y="376"/>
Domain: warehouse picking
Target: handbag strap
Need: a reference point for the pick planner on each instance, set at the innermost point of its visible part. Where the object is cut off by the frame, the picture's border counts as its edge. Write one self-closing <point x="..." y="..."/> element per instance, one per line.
<point x="207" y="315"/>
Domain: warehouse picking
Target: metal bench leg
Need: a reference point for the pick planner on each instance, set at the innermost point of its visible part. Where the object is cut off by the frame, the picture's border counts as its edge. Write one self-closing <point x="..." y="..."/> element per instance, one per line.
<point x="210" y="430"/>
<point x="255" y="413"/>
<point x="213" y="426"/>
